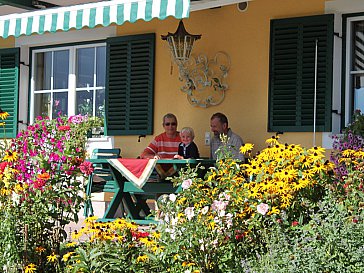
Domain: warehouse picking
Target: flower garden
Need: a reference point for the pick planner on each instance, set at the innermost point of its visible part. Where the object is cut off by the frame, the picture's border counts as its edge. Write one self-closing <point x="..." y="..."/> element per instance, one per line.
<point x="288" y="209"/>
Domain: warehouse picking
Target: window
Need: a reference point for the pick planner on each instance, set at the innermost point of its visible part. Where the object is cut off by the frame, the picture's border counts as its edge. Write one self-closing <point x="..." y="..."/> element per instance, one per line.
<point x="354" y="67"/>
<point x="292" y="74"/>
<point x="114" y="80"/>
<point x="68" y="80"/>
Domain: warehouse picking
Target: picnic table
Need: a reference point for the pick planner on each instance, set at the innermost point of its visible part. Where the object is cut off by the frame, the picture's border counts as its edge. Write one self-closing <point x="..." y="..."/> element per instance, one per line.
<point x="133" y="182"/>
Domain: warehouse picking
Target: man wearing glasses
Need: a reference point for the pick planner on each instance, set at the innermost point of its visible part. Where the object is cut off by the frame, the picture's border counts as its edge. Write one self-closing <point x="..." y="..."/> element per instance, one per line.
<point x="166" y="144"/>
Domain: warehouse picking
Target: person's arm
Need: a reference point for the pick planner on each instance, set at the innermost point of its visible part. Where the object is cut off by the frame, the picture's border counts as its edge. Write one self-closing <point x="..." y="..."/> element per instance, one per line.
<point x="194" y="153"/>
<point x="151" y="151"/>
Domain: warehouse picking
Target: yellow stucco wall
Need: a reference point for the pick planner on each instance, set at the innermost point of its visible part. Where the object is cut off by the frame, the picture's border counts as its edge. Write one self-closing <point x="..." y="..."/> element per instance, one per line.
<point x="245" y="37"/>
<point x="7" y="43"/>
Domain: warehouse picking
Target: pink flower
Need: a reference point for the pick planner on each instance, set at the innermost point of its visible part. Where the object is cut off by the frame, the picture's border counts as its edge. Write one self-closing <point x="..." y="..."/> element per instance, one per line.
<point x="86" y="167"/>
<point x="76" y="119"/>
<point x="294" y="223"/>
<point x="190" y="212"/>
<point x="262" y="208"/>
<point x="186" y="184"/>
<point x="218" y="205"/>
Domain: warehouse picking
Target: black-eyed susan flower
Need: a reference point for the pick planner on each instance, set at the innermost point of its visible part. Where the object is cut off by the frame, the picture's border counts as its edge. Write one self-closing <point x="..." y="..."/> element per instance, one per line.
<point x="246" y="148"/>
<point x="10" y="156"/>
<point x="30" y="268"/>
<point x="52" y="258"/>
<point x="71" y="244"/>
<point x="273" y="140"/>
<point x="67" y="256"/>
<point x="3" y="114"/>
<point x="142" y="258"/>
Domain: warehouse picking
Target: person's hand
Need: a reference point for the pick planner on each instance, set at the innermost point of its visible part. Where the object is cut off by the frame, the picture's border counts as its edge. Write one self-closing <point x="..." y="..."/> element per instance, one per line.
<point x="178" y="157"/>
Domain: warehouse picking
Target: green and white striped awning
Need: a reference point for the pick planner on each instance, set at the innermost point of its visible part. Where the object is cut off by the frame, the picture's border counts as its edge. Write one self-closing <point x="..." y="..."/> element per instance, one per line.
<point x="91" y="15"/>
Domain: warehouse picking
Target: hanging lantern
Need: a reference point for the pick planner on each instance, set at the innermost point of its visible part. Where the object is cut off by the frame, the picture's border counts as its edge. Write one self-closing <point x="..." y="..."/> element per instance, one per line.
<point x="180" y="43"/>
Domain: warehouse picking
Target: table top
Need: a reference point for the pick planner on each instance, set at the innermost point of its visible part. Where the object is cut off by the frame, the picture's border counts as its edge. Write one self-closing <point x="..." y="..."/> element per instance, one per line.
<point x="164" y="161"/>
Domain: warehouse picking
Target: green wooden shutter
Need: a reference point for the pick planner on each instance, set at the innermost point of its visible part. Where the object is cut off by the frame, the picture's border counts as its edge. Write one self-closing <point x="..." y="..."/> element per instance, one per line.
<point x="292" y="73"/>
<point x="9" y="82"/>
<point x="130" y="85"/>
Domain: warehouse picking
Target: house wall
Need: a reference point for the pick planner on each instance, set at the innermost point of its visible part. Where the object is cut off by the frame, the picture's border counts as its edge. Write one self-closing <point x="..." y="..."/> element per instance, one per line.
<point x="245" y="37"/>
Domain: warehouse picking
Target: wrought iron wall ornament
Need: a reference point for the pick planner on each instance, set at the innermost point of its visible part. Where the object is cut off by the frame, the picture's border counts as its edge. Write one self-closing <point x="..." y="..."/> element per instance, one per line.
<point x="205" y="79"/>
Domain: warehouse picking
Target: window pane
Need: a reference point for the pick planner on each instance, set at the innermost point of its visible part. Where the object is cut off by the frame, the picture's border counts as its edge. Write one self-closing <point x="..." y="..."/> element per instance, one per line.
<point x="85" y="67"/>
<point x="61" y="67"/>
<point x="84" y="103"/>
<point x="60" y="104"/>
<point x="100" y="66"/>
<point x="43" y="70"/>
<point x="100" y="103"/>
<point x="358" y="46"/>
<point x="42" y="105"/>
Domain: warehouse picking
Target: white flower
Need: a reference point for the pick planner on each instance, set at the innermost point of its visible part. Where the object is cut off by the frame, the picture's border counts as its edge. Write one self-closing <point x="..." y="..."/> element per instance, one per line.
<point x="172" y="197"/>
<point x="186" y="184"/>
<point x="205" y="210"/>
<point x="174" y="221"/>
<point x="224" y="196"/>
<point x="190" y="212"/>
<point x="221" y="213"/>
<point x="15" y="198"/>
<point x="262" y="208"/>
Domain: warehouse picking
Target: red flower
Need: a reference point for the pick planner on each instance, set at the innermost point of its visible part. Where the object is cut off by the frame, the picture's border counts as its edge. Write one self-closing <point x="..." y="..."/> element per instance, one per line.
<point x="3" y="166"/>
<point x="139" y="234"/>
<point x="294" y="223"/>
<point x="86" y="167"/>
<point x="64" y="127"/>
<point x="355" y="220"/>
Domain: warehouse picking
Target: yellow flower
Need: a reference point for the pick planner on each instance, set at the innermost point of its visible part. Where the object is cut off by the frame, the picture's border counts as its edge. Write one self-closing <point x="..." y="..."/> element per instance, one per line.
<point x="30" y="268"/>
<point x="52" y="258"/>
<point x="142" y="258"/>
<point x="2" y="123"/>
<point x="10" y="156"/>
<point x="67" y="256"/>
<point x="274" y="210"/>
<point x="348" y="152"/>
<point x="247" y="147"/>
<point x="91" y="219"/>
<point x="316" y="149"/>
<point x="273" y="140"/>
<point x="71" y="244"/>
<point x="3" y="114"/>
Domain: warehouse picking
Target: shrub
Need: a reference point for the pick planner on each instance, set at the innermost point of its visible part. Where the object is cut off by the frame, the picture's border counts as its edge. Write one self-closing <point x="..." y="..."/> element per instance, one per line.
<point x="40" y="182"/>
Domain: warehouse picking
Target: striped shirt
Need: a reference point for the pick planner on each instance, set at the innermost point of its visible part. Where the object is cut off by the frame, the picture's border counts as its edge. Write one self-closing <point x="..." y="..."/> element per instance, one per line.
<point x="163" y="146"/>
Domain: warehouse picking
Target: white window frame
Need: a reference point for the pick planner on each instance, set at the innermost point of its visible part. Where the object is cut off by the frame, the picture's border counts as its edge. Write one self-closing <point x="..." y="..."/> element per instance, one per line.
<point x="71" y="77"/>
<point x="348" y="73"/>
